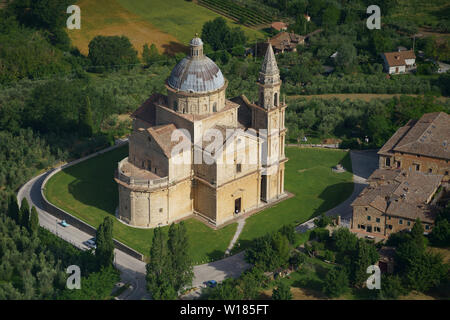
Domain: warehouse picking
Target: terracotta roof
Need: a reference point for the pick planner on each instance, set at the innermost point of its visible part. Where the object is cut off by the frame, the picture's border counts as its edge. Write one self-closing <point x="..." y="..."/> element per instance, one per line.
<point x="163" y="137"/>
<point x="397" y="58"/>
<point x="286" y="40"/>
<point x="400" y="193"/>
<point x="429" y="136"/>
<point x="278" y="25"/>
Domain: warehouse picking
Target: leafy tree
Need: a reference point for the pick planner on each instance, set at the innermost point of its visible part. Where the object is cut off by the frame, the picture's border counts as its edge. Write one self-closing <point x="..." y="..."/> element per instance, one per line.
<point x="440" y="235"/>
<point x="281" y="248"/>
<point x="322" y="221"/>
<point x="219" y="36"/>
<point x="330" y="16"/>
<point x="282" y="292"/>
<point x="227" y="290"/>
<point x="289" y="232"/>
<point x="343" y="240"/>
<point x="251" y="282"/>
<point x="111" y="52"/>
<point x="336" y="282"/>
<point x="297" y="259"/>
<point x="150" y="55"/>
<point x="391" y="287"/>
<point x="346" y="57"/>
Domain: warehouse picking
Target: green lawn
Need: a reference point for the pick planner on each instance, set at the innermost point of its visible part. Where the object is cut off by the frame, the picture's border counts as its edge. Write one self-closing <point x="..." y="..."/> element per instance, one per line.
<point x="88" y="191"/>
<point x="316" y="188"/>
<point x="180" y="18"/>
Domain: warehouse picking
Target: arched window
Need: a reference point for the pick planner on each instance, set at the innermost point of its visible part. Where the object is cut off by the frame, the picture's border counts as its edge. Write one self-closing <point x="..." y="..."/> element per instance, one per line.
<point x="215" y="107"/>
<point x="275" y="99"/>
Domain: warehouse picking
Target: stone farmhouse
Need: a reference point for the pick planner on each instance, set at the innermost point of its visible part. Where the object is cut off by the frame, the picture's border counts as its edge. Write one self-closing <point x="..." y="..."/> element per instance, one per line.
<point x="413" y="164"/>
<point x="172" y="171"/>
<point x="421" y="145"/>
<point x="393" y="201"/>
<point x="399" y="61"/>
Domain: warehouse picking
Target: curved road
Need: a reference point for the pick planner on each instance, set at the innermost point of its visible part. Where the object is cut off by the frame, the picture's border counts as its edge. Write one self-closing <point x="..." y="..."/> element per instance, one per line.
<point x="132" y="270"/>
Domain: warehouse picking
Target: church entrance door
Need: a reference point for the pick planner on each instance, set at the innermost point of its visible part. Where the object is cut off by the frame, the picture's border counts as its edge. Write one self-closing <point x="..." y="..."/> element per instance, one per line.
<point x="237" y="205"/>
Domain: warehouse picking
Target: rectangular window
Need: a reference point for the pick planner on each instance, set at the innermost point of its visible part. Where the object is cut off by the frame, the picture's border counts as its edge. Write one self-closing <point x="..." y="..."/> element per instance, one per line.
<point x="368" y="218"/>
<point x="417" y="167"/>
<point x="409" y="223"/>
<point x="400" y="221"/>
<point x="238" y="167"/>
<point x="390" y="226"/>
<point x="427" y="227"/>
<point x="388" y="162"/>
<point x="378" y="219"/>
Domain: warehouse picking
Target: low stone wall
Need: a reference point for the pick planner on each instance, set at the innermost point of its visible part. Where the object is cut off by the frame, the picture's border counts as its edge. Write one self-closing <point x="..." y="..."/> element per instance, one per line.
<point x="77" y="223"/>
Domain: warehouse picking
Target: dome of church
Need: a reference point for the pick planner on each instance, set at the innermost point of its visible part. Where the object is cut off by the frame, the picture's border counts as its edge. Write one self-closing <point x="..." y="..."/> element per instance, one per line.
<point x="196" y="73"/>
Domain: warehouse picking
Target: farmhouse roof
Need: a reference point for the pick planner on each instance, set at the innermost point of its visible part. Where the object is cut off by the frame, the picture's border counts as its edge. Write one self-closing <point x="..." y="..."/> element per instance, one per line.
<point x="429" y="136"/>
<point x="286" y="40"/>
<point x="279" y="25"/>
<point x="397" y="58"/>
<point x="400" y="193"/>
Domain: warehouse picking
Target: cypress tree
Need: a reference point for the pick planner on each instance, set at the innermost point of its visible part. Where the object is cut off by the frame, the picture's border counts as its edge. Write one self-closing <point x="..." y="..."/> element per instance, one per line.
<point x="85" y="121"/>
<point x="34" y="221"/>
<point x="13" y="208"/>
<point x="24" y="213"/>
<point x="105" y="245"/>
<point x="159" y="275"/>
<point x="181" y="264"/>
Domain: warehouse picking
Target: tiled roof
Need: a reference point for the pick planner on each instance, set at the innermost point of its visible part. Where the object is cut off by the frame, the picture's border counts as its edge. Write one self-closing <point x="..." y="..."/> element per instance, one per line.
<point x="397" y="58"/>
<point x="286" y="40"/>
<point x="278" y="25"/>
<point x="163" y="137"/>
<point x="428" y="136"/>
<point x="400" y="193"/>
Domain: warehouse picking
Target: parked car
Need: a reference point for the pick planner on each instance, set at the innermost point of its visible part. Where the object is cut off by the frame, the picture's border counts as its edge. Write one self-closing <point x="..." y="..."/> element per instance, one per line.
<point x="211" y="283"/>
<point x="91" y="243"/>
<point x="64" y="223"/>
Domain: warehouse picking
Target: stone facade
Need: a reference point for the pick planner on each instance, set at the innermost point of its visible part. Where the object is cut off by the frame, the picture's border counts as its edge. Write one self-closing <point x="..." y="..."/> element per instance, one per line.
<point x="171" y="174"/>
<point x="420" y="145"/>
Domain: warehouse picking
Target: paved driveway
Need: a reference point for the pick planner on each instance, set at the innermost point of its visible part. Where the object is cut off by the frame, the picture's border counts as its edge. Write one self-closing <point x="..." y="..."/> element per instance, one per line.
<point x="363" y="164"/>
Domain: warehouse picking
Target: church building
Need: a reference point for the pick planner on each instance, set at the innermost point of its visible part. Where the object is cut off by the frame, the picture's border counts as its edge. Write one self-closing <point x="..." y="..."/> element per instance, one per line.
<point x="195" y="152"/>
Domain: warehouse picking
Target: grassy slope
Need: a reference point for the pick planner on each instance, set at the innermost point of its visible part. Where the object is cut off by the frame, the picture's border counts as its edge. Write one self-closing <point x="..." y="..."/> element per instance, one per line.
<point x="108" y="18"/>
<point x="89" y="192"/>
<point x="316" y="188"/>
<point x="179" y="18"/>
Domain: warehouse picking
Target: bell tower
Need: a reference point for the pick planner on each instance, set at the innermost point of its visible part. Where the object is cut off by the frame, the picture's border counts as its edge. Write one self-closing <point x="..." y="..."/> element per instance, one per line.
<point x="269" y="81"/>
<point x="269" y="120"/>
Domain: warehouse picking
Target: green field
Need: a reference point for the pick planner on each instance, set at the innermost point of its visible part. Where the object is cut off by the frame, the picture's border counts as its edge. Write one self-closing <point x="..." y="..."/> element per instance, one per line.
<point x="316" y="188"/>
<point x="88" y="191"/>
<point x="179" y="18"/>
